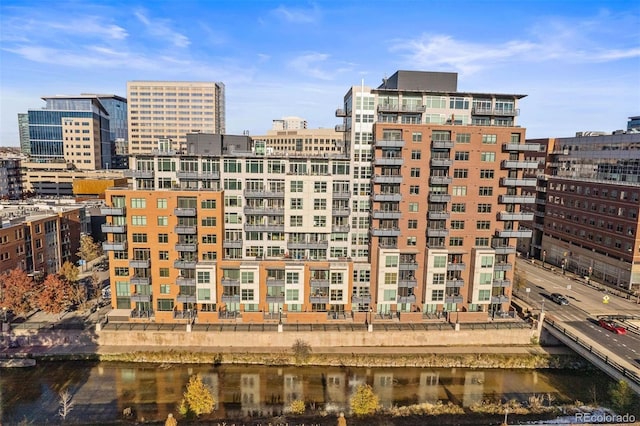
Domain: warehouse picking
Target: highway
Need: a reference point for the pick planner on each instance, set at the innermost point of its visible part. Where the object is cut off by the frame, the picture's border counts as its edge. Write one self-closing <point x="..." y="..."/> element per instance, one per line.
<point x="585" y="305"/>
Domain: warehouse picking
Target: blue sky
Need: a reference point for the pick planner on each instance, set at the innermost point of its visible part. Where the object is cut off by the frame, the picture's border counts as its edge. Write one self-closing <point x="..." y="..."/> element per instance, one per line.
<point x="578" y="61"/>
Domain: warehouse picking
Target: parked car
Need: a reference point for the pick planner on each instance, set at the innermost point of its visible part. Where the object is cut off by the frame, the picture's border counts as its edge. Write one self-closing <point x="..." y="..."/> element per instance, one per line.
<point x="559" y="299"/>
<point x="612" y="326"/>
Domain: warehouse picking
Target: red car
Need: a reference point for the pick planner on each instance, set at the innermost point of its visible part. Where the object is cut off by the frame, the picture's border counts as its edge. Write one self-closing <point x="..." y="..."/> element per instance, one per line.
<point x="612" y="326"/>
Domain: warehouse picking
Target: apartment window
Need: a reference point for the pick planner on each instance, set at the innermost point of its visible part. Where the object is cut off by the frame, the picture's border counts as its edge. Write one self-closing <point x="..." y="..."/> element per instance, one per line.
<point x="138" y="203"/>
<point x="295" y="221"/>
<point x="412" y="241"/>
<point x="138" y="220"/>
<point x="139" y="238"/>
<point x="413" y="207"/>
<point x="484" y="208"/>
<point x="161" y="203"/>
<point x="439" y="261"/>
<point x="319" y="204"/>
<point x="458" y="207"/>
<point x="296" y="186"/>
<point x="438" y="279"/>
<point x="489" y="139"/>
<point x="209" y="238"/>
<point x="412" y="224"/>
<point x="296" y="204"/>
<point x="232" y="166"/>
<point x="461" y="156"/>
<point x="320" y="187"/>
<point x="483" y="224"/>
<point x="460" y="173"/>
<point x="416" y="154"/>
<point x="484" y="295"/>
<point x="415" y="172"/>
<point x="121" y="272"/>
<point x="246" y="277"/>
<point x="165" y="304"/>
<point x="463" y="138"/>
<point x="390" y="278"/>
<point x="391" y="261"/>
<point x="482" y="242"/>
<point x="163" y="238"/>
<point x="488" y="157"/>
<point x="165" y="289"/>
<point x="163" y="220"/>
<point x="486" y="261"/>
<point x="292" y="295"/>
<point x="292" y="277"/>
<point x="456" y="241"/>
<point x="457" y="224"/>
<point x="416" y="137"/>
<point x="164" y="272"/>
<point x="486" y="277"/>
<point x="247" y="294"/>
<point x="458" y="103"/>
<point x="485" y="191"/>
<point x="437" y="295"/>
<point x="459" y="191"/>
<point x="209" y="221"/>
<point x="486" y="174"/>
<point x="319" y="221"/>
<point x="163" y="255"/>
<point x="414" y="189"/>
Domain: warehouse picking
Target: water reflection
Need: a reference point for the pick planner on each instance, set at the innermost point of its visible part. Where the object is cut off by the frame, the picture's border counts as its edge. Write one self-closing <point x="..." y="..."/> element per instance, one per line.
<point x="102" y="391"/>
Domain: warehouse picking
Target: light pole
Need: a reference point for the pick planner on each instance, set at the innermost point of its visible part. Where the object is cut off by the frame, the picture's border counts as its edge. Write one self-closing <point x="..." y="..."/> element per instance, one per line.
<point x="4" y="309"/>
<point x="280" y="316"/>
<point x="544" y="257"/>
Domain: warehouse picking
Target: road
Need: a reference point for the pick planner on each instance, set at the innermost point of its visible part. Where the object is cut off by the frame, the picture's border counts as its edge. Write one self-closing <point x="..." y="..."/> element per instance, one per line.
<point x="585" y="305"/>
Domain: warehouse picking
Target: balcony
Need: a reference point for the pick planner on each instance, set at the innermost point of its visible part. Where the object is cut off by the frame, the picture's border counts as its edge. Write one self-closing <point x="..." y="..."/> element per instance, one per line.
<point x="273" y="211"/>
<point x="140" y="263"/>
<point x="456" y="266"/>
<point x="231" y="298"/>
<point x="408" y="266"/>
<point x="513" y="233"/>
<point x="442" y="144"/>
<point x="264" y="228"/>
<point x="387" y="178"/>
<point x="437" y="232"/>
<point x="507" y="216"/>
<point x="184" y="264"/>
<point x="112" y="211"/>
<point x="440" y="180"/>
<point x="113" y="246"/>
<point x="439" y="198"/>
<point x="453" y="299"/>
<point x="185" y="212"/>
<point x="341" y="212"/>
<point x="389" y="196"/>
<point x="232" y="244"/>
<point x="275" y="299"/>
<point x="441" y="162"/>
<point x="230" y="282"/>
<point x="184" y="281"/>
<point x="388" y="161"/>
<point x="518" y="182"/>
<point x="135" y="297"/>
<point x="340" y="228"/>
<point x="140" y="280"/>
<point x="512" y="164"/>
<point x="503" y="266"/>
<point x="501" y="283"/>
<point x="361" y="299"/>
<point x="140" y="174"/>
<point x="516" y="199"/>
<point x="502" y="249"/>
<point x="319" y="282"/>
<point x="386" y="214"/>
<point x="401" y="108"/>
<point x="340" y="112"/>
<point x="250" y="193"/>
<point x="186" y="298"/>
<point x="407" y="283"/>
<point x="184" y="229"/>
<point x="340" y="128"/>
<point x="495" y="111"/>
<point x="307" y="245"/>
<point x="457" y="283"/>
<point x="499" y="299"/>
<point x="441" y="215"/>
<point x="385" y="232"/>
<point x="187" y="247"/>
<point x="198" y="175"/>
<point x="341" y="195"/>
<point x="521" y="147"/>
<point x="114" y="229"/>
<point x="275" y="282"/>
<point x="389" y="144"/>
<point x="318" y="299"/>
<point x="407" y="299"/>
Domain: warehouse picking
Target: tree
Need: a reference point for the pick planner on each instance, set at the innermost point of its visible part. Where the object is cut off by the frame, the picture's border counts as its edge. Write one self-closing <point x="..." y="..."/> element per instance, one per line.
<point x="364" y="402"/>
<point x="69" y="271"/>
<point x="621" y="396"/>
<point x="197" y="398"/>
<point x="519" y="278"/>
<point x="171" y="421"/>
<point x="54" y="295"/>
<point x="89" y="249"/>
<point x="66" y="403"/>
<point x="16" y="292"/>
<point x="95" y="284"/>
<point x="301" y="351"/>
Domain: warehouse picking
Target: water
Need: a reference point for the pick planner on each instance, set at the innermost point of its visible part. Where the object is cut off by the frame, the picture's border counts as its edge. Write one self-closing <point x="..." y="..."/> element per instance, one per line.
<point x="103" y="390"/>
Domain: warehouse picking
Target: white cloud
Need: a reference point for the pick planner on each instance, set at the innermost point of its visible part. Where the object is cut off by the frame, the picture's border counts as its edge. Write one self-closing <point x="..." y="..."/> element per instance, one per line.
<point x="298" y="15"/>
<point x="316" y="64"/>
<point x="161" y="28"/>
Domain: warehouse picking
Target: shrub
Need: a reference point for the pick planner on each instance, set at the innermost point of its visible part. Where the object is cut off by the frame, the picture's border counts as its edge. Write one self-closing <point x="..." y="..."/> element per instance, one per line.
<point x="364" y="402"/>
<point x="197" y="398"/>
<point x="296" y="407"/>
<point x="301" y="351"/>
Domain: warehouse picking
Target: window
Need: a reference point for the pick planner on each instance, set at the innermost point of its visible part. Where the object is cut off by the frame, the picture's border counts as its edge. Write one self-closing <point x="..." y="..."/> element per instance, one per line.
<point x="165" y="304"/>
<point x="483" y="224"/>
<point x="163" y="238"/>
<point x="163" y="255"/>
<point x="412" y="224"/>
<point x="485" y="191"/>
<point x="293" y="277"/>
<point x="247" y="294"/>
<point x="460" y="173"/>
<point x="413" y="207"/>
<point x="139" y="238"/>
<point x="319" y="221"/>
<point x="296" y="204"/>
<point x="437" y="295"/>
<point x="320" y="187"/>
<point x="459" y="191"/>
<point x="482" y="242"/>
<point x="296" y="186"/>
<point x="165" y="289"/>
<point x="486" y="277"/>
<point x="163" y="220"/>
<point x="458" y="207"/>
<point x="390" y="278"/>
<point x="414" y="189"/>
<point x="412" y="241"/>
<point x="484" y="295"/>
<point x="161" y="203"/>
<point x="416" y="154"/>
<point x="164" y="272"/>
<point x="486" y="261"/>
<point x="391" y="261"/>
<point x="458" y="103"/>
<point x="486" y="174"/>
<point x="463" y="138"/>
<point x="295" y="221"/>
<point x="489" y="139"/>
<point x="139" y="220"/>
<point x="232" y="166"/>
<point x="438" y="279"/>
<point x="416" y="137"/>
<point x="456" y="241"/>
<point x="209" y="238"/>
<point x="138" y="203"/>
<point x="457" y="224"/>
<point x="246" y="277"/>
<point x="484" y="208"/>
<point x="319" y="204"/>
<point x="209" y="221"/>
<point x="461" y="156"/>
<point x="292" y="295"/>
<point x="488" y="157"/>
<point x="204" y="277"/>
<point x="121" y="272"/>
<point x="439" y="261"/>
<point x="208" y="204"/>
<point x="415" y="172"/>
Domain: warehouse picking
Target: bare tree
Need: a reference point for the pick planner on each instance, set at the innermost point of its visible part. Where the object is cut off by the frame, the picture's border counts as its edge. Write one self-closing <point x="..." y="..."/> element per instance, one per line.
<point x="66" y="403"/>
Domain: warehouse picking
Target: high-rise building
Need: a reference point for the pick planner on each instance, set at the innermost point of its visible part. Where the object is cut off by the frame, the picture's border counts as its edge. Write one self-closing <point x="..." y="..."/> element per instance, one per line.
<point x="23" y="129"/>
<point x="171" y="109"/>
<point x="416" y="218"/>
<point x="289" y="123"/>
<point x="77" y="130"/>
<point x="10" y="179"/>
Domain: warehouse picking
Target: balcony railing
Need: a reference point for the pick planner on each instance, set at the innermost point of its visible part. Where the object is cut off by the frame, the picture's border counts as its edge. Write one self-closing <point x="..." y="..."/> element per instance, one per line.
<point x="230" y="282"/>
<point x="386" y="214"/>
<point x="114" y="229"/>
<point x="140" y="280"/>
<point x="454" y="283"/>
<point x="440" y="180"/>
<point x="231" y="298"/>
<point x="439" y="198"/>
<point x="140" y="297"/>
<point x="307" y="245"/>
<point x="184" y="264"/>
<point x="340" y="112"/>
<point x="502" y="266"/>
<point x="518" y="182"/>
<point x="232" y="244"/>
<point x="407" y="283"/>
<point x="407" y="299"/>
<point x="453" y="299"/>
<point x="139" y="263"/>
<point x="516" y="199"/>
<point x="502" y="248"/>
<point x="140" y="174"/>
<point x="387" y="178"/>
<point x="264" y="228"/>
<point x="499" y="299"/>
<point x="442" y="144"/>
<point x="271" y="211"/>
<point x="388" y="161"/>
<point x="345" y="211"/>
<point x="184" y="281"/>
<point x="456" y="266"/>
<point x="495" y="111"/>
<point x="507" y="216"/>
<point x="390" y="196"/>
<point x="113" y="246"/>
<point x="401" y="108"/>
<point x="441" y="162"/>
<point x="341" y="195"/>
<point x="185" y="212"/>
<point x="408" y="266"/>
<point x="385" y="232"/>
<point x="513" y="164"/>
<point x="514" y="233"/>
<point x="522" y="147"/>
<point x="112" y="211"/>
<point x="501" y="283"/>
<point x="439" y="215"/>
<point x="187" y="230"/>
<point x="361" y="299"/>
<point x="319" y="282"/>
<point x="389" y="143"/>
<point x="250" y="193"/>
<point x="187" y="247"/>
<point x="340" y="128"/>
<point x="198" y="175"/>
<point x="318" y="299"/>
<point x="437" y="232"/>
<point x="340" y="228"/>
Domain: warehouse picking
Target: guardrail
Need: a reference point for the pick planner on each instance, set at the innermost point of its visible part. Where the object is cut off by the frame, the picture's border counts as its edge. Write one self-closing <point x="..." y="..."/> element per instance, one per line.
<point x="625" y="372"/>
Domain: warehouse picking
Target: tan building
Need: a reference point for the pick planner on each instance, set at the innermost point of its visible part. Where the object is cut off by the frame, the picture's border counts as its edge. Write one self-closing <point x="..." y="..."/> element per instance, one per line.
<point x="304" y="141"/>
<point x="170" y="110"/>
<point x="82" y="142"/>
<point x="56" y="179"/>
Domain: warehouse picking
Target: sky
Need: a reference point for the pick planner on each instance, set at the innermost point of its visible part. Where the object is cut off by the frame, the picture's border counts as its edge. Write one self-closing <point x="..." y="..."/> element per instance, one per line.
<point x="578" y="62"/>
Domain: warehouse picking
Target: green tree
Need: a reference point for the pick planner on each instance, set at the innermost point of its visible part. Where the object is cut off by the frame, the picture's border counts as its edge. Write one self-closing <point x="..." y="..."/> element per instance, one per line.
<point x="16" y="292"/>
<point x="197" y="399"/>
<point x="69" y="271"/>
<point x="54" y="295"/>
<point x="621" y="396"/>
<point x="89" y="249"/>
<point x="364" y="401"/>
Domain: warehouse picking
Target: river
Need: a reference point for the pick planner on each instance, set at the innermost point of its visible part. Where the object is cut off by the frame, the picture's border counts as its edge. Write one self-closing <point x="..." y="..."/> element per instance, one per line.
<point x="101" y="391"/>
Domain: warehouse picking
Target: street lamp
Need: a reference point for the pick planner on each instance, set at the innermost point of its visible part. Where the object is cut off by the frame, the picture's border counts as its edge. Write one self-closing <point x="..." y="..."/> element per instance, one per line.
<point x="4" y="309"/>
<point x="544" y="257"/>
<point x="370" y="315"/>
<point x="280" y="316"/>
